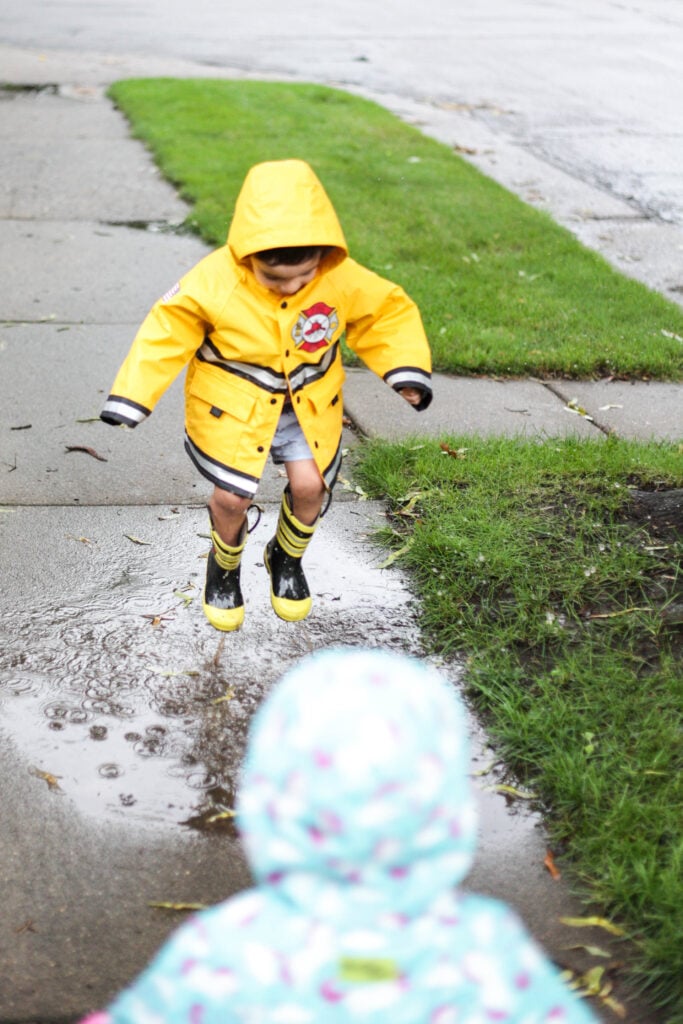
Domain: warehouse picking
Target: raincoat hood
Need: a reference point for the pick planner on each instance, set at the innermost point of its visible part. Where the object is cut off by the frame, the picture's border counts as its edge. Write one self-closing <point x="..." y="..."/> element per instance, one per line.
<point x="282" y="203"/>
<point x="355" y="795"/>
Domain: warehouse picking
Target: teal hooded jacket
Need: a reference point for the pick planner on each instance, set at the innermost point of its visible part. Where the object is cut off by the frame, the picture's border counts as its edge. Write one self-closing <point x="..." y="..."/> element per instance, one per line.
<point x="357" y="818"/>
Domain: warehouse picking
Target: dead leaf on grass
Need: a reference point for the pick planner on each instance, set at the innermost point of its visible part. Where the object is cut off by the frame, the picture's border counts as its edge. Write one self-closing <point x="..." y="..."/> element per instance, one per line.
<point x="455" y="453"/>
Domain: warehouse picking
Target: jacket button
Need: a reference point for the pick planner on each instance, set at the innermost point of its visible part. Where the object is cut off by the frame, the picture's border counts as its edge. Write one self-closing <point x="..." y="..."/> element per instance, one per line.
<point x="260" y="448"/>
<point x="273" y="401"/>
<point x="283" y="305"/>
<point x="298" y="399"/>
<point x="315" y="444"/>
<point x="287" y="354"/>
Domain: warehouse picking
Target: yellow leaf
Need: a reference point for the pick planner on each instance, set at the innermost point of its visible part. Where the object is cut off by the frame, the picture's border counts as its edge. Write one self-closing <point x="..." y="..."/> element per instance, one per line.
<point x="592" y="922"/>
<point x="591" y="981"/>
<point x="228" y="695"/>
<point x="396" y="555"/>
<point x="220" y="816"/>
<point x="591" y="950"/>
<point x="614" y="1005"/>
<point x="520" y="794"/>
<point x="136" y="540"/>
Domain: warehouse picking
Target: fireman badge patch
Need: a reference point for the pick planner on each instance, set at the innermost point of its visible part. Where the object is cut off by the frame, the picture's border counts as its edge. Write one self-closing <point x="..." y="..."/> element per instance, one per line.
<point x="315" y="327"/>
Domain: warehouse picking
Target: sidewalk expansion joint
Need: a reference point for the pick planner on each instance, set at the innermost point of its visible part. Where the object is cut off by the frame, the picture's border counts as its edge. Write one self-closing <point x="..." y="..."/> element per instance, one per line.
<point x="549" y="386"/>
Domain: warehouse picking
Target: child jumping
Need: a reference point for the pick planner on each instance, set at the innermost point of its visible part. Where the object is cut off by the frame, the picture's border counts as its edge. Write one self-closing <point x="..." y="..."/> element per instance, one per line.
<point x="358" y="821"/>
<point x="258" y="324"/>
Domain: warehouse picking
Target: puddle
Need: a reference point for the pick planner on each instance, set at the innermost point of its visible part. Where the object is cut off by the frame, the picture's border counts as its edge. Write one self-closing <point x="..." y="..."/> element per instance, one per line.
<point x="126" y="696"/>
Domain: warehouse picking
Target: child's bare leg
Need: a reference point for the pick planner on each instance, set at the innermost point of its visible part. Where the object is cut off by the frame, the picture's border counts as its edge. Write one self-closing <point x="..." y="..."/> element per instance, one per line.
<point x="228" y="512"/>
<point x="299" y="514"/>
<point x="307" y="489"/>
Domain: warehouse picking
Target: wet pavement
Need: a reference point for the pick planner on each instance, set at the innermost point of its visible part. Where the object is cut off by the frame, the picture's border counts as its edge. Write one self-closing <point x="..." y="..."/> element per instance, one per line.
<point x="123" y="714"/>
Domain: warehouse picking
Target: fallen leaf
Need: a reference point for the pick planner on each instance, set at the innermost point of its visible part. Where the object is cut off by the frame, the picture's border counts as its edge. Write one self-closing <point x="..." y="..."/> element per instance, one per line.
<point x="578" y="410"/>
<point x="49" y="778"/>
<point x="84" y="448"/>
<point x="158" y="618"/>
<point x="591" y="950"/>
<point x="220" y="816"/>
<point x="455" y="453"/>
<point x="136" y="540"/>
<point x="591" y="981"/>
<point x="592" y="922"/>
<point x="549" y="863"/>
<point x="614" y="1005"/>
<point x="396" y="555"/>
<point x="185" y="598"/>
<point x="81" y="540"/>
<point x="519" y="794"/>
<point x="24" y="426"/>
<point x="89" y="419"/>
<point x="612" y="405"/>
<point x="228" y="695"/>
<point x="160" y="905"/>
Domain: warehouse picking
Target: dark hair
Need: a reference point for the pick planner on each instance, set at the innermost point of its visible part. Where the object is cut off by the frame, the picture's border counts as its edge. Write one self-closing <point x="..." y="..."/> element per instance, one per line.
<point x="290" y="255"/>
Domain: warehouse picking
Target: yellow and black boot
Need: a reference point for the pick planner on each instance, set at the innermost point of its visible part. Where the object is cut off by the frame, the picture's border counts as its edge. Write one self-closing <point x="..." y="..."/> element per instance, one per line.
<point x="223" y="604"/>
<point x="289" y="593"/>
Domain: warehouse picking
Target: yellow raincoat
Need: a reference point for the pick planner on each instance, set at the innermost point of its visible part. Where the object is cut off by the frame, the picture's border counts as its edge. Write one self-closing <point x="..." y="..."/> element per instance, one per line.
<point x="247" y="349"/>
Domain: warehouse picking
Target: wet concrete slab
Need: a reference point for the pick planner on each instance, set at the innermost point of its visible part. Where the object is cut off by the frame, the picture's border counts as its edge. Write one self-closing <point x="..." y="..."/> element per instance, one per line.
<point x="647" y="411"/>
<point x="89" y="271"/>
<point x="95" y="172"/>
<point x="462" y="405"/>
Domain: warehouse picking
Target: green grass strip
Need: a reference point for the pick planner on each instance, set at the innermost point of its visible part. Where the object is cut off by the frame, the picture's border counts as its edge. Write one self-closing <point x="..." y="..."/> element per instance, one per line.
<point x="503" y="289"/>
<point x="530" y="564"/>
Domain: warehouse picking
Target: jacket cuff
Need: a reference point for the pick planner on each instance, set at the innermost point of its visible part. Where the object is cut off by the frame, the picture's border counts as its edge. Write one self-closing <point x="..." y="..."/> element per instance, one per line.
<point x="412" y="377"/>
<point x="118" y="410"/>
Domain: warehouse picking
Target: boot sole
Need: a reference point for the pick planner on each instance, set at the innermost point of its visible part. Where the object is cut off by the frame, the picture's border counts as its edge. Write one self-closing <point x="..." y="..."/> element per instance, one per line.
<point x="284" y="607"/>
<point x="227" y="620"/>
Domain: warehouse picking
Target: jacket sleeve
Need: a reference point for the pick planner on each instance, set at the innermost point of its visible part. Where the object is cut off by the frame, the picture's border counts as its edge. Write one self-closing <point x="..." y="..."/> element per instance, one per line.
<point x="384" y="328"/>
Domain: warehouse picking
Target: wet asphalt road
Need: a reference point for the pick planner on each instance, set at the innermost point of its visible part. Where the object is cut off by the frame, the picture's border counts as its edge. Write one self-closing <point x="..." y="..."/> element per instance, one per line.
<point x="123" y="713"/>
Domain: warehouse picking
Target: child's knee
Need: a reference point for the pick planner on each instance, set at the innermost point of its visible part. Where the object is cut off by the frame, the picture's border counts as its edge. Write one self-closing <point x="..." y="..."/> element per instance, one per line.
<point x="228" y="503"/>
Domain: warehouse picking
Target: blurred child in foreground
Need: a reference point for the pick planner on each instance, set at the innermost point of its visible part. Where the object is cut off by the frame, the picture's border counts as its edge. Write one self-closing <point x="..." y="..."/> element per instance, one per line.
<point x="357" y="819"/>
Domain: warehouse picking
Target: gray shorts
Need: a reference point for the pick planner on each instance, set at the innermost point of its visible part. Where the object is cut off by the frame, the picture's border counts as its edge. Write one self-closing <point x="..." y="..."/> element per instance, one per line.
<point x="289" y="443"/>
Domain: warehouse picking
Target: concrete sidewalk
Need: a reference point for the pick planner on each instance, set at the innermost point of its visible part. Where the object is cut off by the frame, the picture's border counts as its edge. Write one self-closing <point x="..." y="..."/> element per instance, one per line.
<point x="111" y="734"/>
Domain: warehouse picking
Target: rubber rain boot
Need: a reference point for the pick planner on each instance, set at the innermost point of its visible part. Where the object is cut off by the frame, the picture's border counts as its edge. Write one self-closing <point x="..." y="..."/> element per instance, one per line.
<point x="223" y="603"/>
<point x="289" y="593"/>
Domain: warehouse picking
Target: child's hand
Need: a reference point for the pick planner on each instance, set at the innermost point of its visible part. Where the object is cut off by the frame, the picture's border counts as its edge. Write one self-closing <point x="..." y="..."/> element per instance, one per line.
<point x="411" y="395"/>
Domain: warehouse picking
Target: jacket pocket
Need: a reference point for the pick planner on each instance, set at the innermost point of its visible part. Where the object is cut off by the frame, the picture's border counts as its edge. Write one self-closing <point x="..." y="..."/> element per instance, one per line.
<point x="324" y="392"/>
<point x="223" y="392"/>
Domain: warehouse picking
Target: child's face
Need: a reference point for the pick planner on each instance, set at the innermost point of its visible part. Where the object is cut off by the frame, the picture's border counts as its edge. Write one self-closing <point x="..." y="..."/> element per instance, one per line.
<point x="282" y="278"/>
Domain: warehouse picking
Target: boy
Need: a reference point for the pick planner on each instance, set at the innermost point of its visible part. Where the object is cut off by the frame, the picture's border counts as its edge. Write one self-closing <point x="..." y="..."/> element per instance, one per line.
<point x="264" y="370"/>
